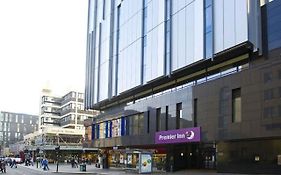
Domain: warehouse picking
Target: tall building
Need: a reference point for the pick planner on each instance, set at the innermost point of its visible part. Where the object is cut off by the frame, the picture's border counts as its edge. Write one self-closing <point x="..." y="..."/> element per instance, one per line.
<point x="66" y="111"/>
<point x="194" y="82"/>
<point x="13" y="127"/>
<point x="61" y="123"/>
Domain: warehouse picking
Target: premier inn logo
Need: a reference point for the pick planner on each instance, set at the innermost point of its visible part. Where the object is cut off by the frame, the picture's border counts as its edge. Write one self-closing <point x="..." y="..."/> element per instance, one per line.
<point x="189" y="135"/>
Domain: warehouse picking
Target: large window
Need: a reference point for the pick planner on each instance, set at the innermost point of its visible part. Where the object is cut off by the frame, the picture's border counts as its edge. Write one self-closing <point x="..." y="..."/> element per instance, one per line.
<point x="144" y="40"/>
<point x="166" y="118"/>
<point x="179" y="115"/>
<point x="148" y="122"/>
<point x="208" y="28"/>
<point x="136" y="124"/>
<point x="116" y="127"/>
<point x="158" y="119"/>
<point x="236" y="105"/>
<point x="195" y="112"/>
<point x="167" y="37"/>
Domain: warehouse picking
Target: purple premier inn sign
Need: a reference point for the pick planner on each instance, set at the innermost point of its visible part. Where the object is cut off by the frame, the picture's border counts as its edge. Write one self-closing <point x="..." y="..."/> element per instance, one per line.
<point x="178" y="136"/>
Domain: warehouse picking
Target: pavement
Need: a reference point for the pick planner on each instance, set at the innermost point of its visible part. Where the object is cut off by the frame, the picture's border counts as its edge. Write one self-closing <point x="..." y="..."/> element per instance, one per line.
<point x="92" y="170"/>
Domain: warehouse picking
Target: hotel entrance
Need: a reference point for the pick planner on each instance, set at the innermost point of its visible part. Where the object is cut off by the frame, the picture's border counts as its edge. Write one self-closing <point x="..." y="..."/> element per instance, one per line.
<point x="190" y="156"/>
<point x="185" y="149"/>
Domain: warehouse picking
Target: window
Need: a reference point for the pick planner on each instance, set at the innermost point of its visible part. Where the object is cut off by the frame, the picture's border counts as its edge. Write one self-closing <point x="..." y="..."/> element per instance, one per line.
<point x="268" y="94"/>
<point x="236" y="105"/>
<point x="97" y="131"/>
<point x="167" y="37"/>
<point x="178" y="115"/>
<point x="195" y="112"/>
<point x="268" y="112"/>
<point x="167" y="118"/>
<point x="208" y="28"/>
<point x="267" y="77"/>
<point x="144" y="40"/>
<point x="116" y="127"/>
<point x="135" y="126"/>
<point x="148" y="121"/>
<point x="103" y="10"/>
<point x="141" y="124"/>
<point x="158" y="119"/>
<point x="117" y="49"/>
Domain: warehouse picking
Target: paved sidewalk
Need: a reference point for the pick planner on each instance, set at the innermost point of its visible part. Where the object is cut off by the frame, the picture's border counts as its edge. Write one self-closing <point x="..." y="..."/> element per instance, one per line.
<point x="92" y="170"/>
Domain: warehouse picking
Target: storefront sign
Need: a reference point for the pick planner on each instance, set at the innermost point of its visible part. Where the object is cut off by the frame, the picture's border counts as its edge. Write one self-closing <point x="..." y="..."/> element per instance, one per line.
<point x="178" y="136"/>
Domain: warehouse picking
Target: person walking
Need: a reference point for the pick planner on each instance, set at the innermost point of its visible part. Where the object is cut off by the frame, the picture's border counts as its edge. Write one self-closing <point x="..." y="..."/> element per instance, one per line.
<point x="14" y="164"/>
<point x="3" y="167"/>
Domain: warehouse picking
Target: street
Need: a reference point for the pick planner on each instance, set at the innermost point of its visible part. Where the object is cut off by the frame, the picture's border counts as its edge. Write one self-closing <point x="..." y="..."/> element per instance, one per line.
<point x="23" y="171"/>
<point x="30" y="170"/>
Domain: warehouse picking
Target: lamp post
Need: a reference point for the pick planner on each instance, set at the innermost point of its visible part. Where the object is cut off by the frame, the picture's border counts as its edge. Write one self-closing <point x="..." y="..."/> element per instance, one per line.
<point x="57" y="149"/>
<point x="57" y="152"/>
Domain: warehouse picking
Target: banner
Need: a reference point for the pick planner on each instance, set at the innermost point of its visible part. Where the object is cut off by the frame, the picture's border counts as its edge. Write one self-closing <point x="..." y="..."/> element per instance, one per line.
<point x="178" y="136"/>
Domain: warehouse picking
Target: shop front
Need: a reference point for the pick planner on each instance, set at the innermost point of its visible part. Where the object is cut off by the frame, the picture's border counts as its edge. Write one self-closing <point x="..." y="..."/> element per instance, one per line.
<point x="128" y="158"/>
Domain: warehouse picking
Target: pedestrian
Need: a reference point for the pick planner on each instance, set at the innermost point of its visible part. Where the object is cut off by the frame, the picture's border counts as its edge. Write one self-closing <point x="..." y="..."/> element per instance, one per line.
<point x="3" y="167"/>
<point x="76" y="163"/>
<point x="72" y="162"/>
<point x="47" y="165"/>
<point x="14" y="164"/>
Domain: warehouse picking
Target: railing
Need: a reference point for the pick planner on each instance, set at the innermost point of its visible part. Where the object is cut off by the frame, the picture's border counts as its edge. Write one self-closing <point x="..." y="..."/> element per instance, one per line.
<point x="197" y="82"/>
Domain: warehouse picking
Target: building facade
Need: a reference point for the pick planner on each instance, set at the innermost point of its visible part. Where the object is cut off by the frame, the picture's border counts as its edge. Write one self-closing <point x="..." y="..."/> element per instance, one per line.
<point x="66" y="111"/>
<point x="61" y="124"/>
<point x="14" y="126"/>
<point x="195" y="82"/>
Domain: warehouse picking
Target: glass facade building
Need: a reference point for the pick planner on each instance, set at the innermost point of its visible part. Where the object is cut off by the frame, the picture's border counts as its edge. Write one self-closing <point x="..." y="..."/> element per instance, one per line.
<point x="165" y="70"/>
<point x="133" y="43"/>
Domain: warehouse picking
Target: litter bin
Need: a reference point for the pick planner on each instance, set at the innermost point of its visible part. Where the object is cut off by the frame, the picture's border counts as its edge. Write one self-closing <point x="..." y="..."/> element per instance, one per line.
<point x="83" y="167"/>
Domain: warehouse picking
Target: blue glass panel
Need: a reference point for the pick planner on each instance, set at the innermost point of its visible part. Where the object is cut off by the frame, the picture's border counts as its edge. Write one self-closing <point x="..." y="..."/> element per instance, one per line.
<point x="98" y="131"/>
<point x="106" y="129"/>
<point x="208" y="45"/>
<point x="93" y="131"/>
<point x="208" y="3"/>
<point x="110" y="130"/>
<point x="168" y="42"/>
<point x="123" y="127"/>
<point x="208" y="19"/>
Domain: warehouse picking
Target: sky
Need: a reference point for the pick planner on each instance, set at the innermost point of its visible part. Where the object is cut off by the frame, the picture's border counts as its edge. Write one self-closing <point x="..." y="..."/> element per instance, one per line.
<point x="42" y="43"/>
